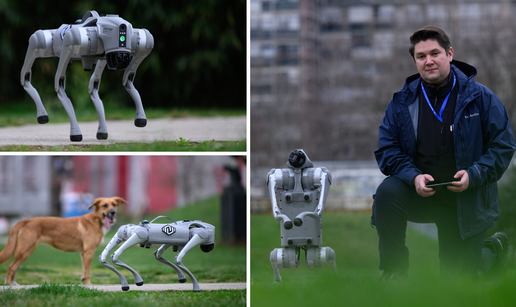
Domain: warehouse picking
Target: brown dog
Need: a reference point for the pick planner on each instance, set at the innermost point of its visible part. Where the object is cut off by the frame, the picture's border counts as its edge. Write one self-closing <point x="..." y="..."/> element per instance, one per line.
<point x="74" y="234"/>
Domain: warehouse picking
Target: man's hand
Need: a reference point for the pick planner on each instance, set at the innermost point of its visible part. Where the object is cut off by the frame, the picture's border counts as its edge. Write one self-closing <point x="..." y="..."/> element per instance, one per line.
<point x="420" y="182"/>
<point x="459" y="186"/>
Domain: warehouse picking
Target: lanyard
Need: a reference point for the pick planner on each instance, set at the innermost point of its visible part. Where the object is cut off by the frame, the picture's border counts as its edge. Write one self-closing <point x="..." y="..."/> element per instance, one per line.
<point x="439" y="116"/>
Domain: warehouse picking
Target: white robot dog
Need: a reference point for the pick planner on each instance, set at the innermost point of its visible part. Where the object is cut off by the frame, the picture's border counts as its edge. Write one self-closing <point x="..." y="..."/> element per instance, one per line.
<point x="182" y="236"/>
<point x="302" y="193"/>
<point x="95" y="40"/>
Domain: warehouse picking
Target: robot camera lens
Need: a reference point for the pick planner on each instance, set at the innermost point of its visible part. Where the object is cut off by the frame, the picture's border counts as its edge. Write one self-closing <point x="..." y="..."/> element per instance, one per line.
<point x="123" y="27"/>
<point x="118" y="59"/>
<point x="297" y="158"/>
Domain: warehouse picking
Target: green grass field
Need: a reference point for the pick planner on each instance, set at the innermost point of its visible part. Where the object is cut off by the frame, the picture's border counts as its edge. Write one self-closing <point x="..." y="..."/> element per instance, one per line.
<point x="48" y="265"/>
<point x="24" y="112"/>
<point x="357" y="283"/>
<point x="180" y="145"/>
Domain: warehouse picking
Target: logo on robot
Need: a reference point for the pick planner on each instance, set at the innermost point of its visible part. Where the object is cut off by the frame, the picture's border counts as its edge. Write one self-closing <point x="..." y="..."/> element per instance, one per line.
<point x="168" y="230"/>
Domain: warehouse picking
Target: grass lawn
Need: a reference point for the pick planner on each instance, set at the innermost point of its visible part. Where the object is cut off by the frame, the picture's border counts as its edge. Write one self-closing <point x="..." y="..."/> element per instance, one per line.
<point x="48" y="267"/>
<point x="180" y="145"/>
<point x="24" y="112"/>
<point x="357" y="284"/>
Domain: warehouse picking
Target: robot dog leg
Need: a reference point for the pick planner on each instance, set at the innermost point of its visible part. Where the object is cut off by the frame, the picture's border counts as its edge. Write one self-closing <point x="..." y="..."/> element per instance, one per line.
<point x="141" y="46"/>
<point x="303" y="190"/>
<point x="157" y="255"/>
<point x="40" y="46"/>
<point x="132" y="235"/>
<point x="197" y="237"/>
<point x="93" y="89"/>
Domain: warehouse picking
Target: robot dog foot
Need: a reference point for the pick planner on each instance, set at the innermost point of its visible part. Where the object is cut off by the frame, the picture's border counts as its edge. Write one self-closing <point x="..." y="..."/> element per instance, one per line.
<point x="102" y="136"/>
<point x="140" y="122"/>
<point x="76" y="138"/>
<point x="43" y="119"/>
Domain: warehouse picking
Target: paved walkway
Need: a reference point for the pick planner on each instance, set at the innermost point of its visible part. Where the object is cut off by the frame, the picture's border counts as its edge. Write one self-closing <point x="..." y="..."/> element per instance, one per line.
<point x="151" y="287"/>
<point x="195" y="129"/>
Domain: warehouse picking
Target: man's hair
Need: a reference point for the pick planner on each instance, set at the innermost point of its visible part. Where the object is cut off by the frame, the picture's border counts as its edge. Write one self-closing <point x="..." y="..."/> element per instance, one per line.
<point x="429" y="32"/>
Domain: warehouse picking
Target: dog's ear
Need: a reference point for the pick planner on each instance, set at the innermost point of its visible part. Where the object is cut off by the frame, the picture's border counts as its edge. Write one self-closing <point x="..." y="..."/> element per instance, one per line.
<point x="120" y="200"/>
<point x="94" y="203"/>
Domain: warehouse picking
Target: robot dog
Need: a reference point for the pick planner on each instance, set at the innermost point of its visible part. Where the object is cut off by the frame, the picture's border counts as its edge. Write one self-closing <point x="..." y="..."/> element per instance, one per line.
<point x="95" y="40"/>
<point x="302" y="193"/>
<point x="182" y="236"/>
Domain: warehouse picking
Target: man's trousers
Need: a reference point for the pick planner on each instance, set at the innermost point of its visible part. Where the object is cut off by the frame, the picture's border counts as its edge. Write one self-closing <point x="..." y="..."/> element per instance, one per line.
<point x="395" y="203"/>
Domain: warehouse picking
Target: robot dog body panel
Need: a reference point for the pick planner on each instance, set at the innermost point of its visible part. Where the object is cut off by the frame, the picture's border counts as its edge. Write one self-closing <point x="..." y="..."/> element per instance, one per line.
<point x="96" y="40"/>
<point x="180" y="232"/>
<point x="292" y="205"/>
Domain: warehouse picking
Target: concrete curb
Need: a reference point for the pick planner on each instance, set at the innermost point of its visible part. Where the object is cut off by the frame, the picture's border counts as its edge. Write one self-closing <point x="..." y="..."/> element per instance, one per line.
<point x="150" y="287"/>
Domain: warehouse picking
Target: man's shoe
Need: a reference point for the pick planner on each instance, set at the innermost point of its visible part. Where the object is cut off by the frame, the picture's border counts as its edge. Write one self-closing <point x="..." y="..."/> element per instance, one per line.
<point x="502" y="245"/>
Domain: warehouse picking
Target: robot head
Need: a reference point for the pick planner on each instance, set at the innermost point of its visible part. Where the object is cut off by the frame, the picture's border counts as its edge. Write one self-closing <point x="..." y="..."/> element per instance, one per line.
<point x="207" y="248"/>
<point x="299" y="159"/>
<point x="116" y="34"/>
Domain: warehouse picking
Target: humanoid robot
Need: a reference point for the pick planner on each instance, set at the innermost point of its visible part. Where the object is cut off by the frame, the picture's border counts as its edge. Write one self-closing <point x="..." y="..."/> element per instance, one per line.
<point x="96" y="41"/>
<point x="182" y="236"/>
<point x="302" y="190"/>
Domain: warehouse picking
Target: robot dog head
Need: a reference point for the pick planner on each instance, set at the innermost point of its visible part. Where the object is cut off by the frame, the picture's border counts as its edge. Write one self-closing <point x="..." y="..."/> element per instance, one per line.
<point x="299" y="159"/>
<point x="116" y="34"/>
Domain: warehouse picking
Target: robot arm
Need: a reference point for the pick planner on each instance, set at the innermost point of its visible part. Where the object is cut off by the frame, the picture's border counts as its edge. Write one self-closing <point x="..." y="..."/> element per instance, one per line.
<point x="275" y="177"/>
<point x="322" y="179"/>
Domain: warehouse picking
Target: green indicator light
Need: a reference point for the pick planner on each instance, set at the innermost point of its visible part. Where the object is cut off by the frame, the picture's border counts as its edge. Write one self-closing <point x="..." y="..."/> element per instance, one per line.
<point x="122" y="38"/>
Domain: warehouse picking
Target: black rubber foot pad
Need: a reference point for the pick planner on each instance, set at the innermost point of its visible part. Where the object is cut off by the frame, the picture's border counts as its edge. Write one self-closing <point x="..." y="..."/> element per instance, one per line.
<point x="43" y="119"/>
<point x="126" y="288"/>
<point x="182" y="280"/>
<point x="76" y="138"/>
<point x="139" y="283"/>
<point x="102" y="136"/>
<point x="140" y="122"/>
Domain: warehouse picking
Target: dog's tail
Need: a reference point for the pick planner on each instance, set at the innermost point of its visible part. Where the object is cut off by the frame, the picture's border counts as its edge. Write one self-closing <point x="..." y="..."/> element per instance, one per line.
<point x="8" y="251"/>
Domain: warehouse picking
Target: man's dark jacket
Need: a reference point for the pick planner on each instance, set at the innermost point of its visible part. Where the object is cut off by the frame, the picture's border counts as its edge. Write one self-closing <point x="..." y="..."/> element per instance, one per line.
<point x="483" y="139"/>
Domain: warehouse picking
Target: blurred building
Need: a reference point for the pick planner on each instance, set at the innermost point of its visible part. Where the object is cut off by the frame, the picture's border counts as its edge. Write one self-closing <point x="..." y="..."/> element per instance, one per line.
<point x="324" y="70"/>
<point x="65" y="186"/>
<point x="352" y="187"/>
<point x="25" y="185"/>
